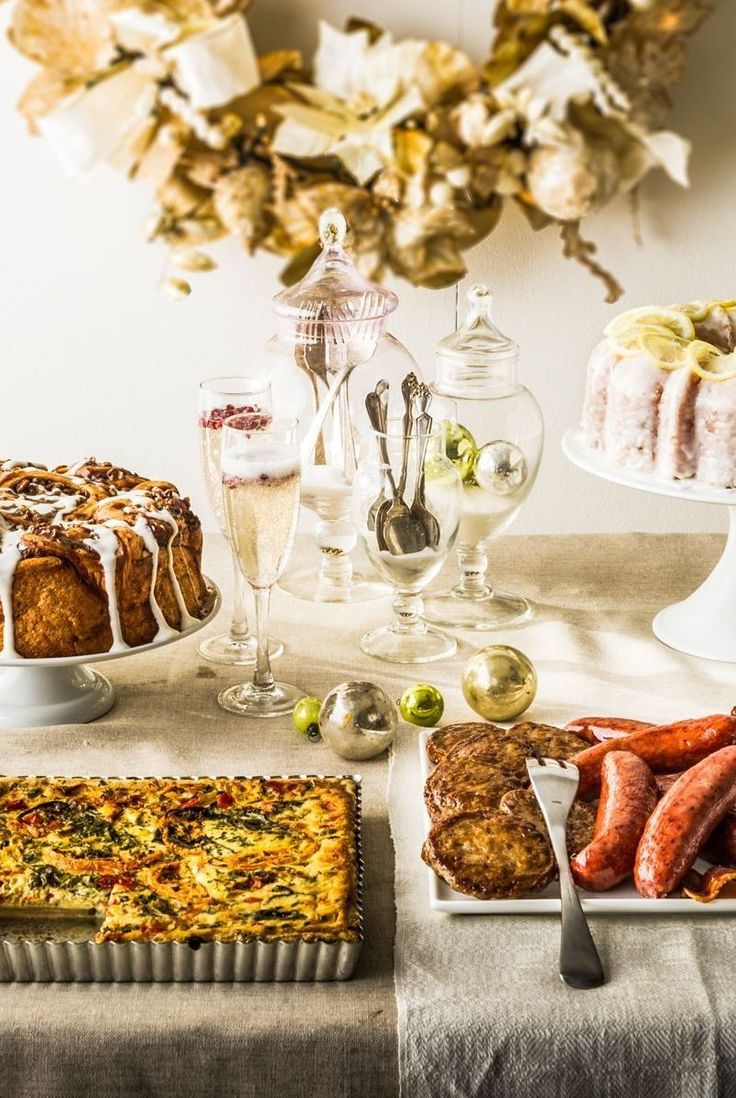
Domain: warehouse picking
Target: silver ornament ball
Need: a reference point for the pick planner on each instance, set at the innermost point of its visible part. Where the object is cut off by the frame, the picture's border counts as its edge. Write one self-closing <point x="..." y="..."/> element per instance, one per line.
<point x="501" y="467"/>
<point x="358" y="720"/>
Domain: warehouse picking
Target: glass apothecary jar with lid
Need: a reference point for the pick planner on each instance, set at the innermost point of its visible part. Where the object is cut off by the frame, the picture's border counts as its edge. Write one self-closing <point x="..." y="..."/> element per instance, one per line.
<point x="494" y="437"/>
<point x="332" y="346"/>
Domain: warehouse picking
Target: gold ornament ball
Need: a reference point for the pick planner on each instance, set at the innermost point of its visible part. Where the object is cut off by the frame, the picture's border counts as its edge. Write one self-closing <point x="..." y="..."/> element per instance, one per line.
<point x="499" y="682"/>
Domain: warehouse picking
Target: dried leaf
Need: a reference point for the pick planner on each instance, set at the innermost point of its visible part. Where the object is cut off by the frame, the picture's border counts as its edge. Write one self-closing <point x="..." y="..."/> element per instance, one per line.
<point x="299" y="264"/>
<point x="189" y="260"/>
<point x="280" y="63"/>
<point x="445" y="73"/>
<point x="205" y="166"/>
<point x="241" y="201"/>
<point x="72" y="37"/>
<point x="412" y="149"/>
<point x="162" y="156"/>
<point x="179" y="198"/>
<point x="45" y="91"/>
<point x="586" y="17"/>
<point x="176" y="288"/>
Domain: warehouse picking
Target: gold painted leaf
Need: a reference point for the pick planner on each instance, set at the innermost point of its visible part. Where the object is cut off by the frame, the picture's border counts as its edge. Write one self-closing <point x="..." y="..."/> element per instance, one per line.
<point x="279" y="63"/>
<point x="241" y="202"/>
<point x="445" y="73"/>
<point x="191" y="260"/>
<point x="585" y="17"/>
<point x="71" y="36"/>
<point x="46" y="89"/>
<point x="412" y="149"/>
<point x="177" y="288"/>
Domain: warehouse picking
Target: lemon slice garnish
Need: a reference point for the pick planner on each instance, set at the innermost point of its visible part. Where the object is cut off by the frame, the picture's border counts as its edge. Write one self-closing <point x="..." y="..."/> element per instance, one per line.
<point x="629" y="342"/>
<point x="696" y="310"/>
<point x="668" y="351"/>
<point x="650" y="316"/>
<point x="709" y="363"/>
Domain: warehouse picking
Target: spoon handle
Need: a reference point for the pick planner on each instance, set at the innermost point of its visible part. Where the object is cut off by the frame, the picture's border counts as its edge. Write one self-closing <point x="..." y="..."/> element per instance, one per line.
<point x="315" y="428"/>
<point x="423" y="423"/>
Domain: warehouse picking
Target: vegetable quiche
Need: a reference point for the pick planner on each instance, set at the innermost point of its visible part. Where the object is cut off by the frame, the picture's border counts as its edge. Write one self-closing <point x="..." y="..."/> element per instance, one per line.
<point x="158" y="859"/>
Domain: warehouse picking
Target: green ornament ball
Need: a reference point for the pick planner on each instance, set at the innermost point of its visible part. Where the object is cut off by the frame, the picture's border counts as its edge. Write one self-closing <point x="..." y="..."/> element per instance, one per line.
<point x="305" y="717"/>
<point x="422" y="704"/>
<point x="461" y="449"/>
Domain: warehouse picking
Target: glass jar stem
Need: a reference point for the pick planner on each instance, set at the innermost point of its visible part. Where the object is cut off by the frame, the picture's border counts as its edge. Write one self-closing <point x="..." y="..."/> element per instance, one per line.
<point x="408" y="609"/>
<point x="473" y="565"/>
<point x="336" y="538"/>
<point x="262" y="676"/>
<point x="239" y="624"/>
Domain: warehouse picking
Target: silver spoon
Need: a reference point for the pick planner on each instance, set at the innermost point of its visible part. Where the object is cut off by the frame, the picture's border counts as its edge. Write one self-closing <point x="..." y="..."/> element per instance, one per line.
<point x="373" y="408"/>
<point x="395" y="525"/>
<point x="408" y="390"/>
<point x="419" y="510"/>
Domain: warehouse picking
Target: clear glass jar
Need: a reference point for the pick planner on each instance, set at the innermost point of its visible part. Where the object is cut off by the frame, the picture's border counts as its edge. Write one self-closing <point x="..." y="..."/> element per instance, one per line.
<point x="428" y="491"/>
<point x="494" y="438"/>
<point x="331" y="348"/>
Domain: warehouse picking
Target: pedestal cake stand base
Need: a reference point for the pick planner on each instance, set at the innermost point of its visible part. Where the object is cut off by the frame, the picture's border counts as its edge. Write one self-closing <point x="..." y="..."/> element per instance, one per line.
<point x="703" y="624"/>
<point x="65" y="690"/>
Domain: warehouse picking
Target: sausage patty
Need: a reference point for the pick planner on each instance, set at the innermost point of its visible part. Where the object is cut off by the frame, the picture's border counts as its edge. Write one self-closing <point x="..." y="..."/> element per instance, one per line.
<point x="465" y="785"/>
<point x="490" y="855"/>
<point x="444" y="739"/>
<point x="523" y="804"/>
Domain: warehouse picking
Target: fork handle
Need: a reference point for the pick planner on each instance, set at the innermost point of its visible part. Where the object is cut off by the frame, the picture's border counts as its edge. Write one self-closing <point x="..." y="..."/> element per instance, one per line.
<point x="580" y="965"/>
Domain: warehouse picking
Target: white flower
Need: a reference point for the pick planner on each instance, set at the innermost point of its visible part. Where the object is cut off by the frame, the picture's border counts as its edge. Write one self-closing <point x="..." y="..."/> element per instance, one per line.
<point x="106" y="121"/>
<point x="361" y="92"/>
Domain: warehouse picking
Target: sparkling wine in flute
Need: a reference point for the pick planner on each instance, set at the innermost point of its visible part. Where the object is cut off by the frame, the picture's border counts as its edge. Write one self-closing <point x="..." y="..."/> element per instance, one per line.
<point x="261" y="474"/>
<point x="220" y="398"/>
<point x="210" y="445"/>
<point x="260" y="490"/>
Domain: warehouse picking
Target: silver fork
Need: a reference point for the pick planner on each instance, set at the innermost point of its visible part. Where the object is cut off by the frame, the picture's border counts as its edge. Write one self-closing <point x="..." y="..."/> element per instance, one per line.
<point x="555" y="785"/>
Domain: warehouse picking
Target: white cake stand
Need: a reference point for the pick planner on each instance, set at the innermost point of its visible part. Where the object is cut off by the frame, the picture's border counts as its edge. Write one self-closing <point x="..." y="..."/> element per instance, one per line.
<point x="65" y="690"/>
<point x="703" y="624"/>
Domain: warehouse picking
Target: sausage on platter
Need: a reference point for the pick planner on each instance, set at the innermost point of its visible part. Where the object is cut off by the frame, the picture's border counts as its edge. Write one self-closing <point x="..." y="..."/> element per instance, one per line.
<point x="682" y="821"/>
<point x="628" y="797"/>
<point x="665" y="747"/>
<point x="597" y="729"/>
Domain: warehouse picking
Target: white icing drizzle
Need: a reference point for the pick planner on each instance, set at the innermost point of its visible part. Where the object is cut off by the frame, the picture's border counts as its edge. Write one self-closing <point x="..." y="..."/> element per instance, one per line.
<point x="9" y="557"/>
<point x="44" y="504"/>
<point x="141" y="499"/>
<point x="104" y="542"/>
<point x="187" y="619"/>
<point x="10" y="463"/>
<point x="76" y="467"/>
<point x="145" y="532"/>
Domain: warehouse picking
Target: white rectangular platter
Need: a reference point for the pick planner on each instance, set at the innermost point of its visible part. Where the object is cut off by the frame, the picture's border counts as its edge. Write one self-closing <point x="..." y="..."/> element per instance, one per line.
<point x="620" y="900"/>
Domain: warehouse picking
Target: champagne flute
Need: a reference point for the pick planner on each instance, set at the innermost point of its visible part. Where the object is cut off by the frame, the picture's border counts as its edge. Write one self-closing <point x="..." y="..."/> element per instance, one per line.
<point x="220" y="397"/>
<point x="261" y="480"/>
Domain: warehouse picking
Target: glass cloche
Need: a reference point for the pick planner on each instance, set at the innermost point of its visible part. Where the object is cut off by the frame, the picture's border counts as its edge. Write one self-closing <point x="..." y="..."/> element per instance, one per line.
<point x="330" y="349"/>
<point x="494" y="439"/>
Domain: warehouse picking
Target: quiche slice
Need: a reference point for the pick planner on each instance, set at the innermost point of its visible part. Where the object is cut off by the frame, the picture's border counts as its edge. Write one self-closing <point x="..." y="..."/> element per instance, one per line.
<point x="186" y="859"/>
<point x="65" y="843"/>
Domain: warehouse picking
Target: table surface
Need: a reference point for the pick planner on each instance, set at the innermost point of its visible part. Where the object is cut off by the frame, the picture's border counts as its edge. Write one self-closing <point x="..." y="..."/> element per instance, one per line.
<point x="290" y="1040"/>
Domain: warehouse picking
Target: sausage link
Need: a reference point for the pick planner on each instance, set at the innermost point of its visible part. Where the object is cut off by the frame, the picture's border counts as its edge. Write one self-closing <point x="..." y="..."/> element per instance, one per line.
<point x="596" y="729"/>
<point x="628" y="797"/>
<point x="666" y="747"/>
<point x="720" y="848"/>
<point x="682" y="821"/>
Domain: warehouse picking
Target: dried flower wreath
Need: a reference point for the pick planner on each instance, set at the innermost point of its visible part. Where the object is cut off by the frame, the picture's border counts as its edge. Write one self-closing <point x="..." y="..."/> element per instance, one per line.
<point x="417" y="144"/>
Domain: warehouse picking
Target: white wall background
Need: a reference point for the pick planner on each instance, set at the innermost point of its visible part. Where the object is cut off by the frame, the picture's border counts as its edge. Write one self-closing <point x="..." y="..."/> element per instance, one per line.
<point x="95" y="360"/>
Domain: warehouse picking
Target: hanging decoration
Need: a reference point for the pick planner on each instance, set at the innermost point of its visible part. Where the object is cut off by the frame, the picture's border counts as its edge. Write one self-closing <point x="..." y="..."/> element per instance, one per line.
<point x="417" y="144"/>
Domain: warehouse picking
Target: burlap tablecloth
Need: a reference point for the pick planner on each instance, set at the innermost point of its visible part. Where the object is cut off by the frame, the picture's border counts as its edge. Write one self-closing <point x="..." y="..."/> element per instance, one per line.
<point x="671" y="987"/>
